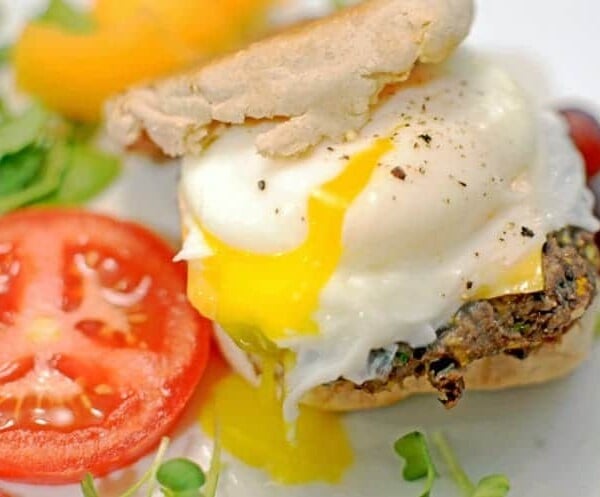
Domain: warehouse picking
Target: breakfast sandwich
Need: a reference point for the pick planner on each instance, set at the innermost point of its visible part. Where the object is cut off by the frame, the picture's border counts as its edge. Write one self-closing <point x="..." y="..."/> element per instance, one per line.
<point x="370" y="212"/>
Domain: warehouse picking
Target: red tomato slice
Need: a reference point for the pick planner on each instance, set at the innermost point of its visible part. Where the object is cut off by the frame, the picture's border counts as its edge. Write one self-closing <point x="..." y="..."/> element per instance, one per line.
<point x="585" y="131"/>
<point x="99" y="349"/>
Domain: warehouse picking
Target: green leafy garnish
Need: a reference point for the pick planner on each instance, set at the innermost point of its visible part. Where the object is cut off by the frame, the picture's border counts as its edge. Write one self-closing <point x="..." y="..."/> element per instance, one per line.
<point x="489" y="486"/>
<point x="19" y="170"/>
<point x="47" y="181"/>
<point x="402" y="358"/>
<point x="212" y="478"/>
<point x="521" y="327"/>
<point x="418" y="464"/>
<point x="89" y="172"/>
<point x="88" y="487"/>
<point x="22" y="131"/>
<point x="47" y="160"/>
<point x="178" y="477"/>
<point x="83" y="132"/>
<point x="456" y="471"/>
<point x="5" y="54"/>
<point x="414" y="450"/>
<point x="67" y="17"/>
<point x="492" y="486"/>
<point x="44" y="158"/>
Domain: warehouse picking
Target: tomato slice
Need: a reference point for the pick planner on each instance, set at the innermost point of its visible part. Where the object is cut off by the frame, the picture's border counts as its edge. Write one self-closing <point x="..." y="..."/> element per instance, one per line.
<point x="585" y="131"/>
<point x="99" y="348"/>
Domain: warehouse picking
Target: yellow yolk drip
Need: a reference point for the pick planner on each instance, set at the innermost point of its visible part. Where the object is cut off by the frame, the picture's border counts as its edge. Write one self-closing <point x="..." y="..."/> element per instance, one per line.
<point x="526" y="276"/>
<point x="252" y="428"/>
<point x="261" y="298"/>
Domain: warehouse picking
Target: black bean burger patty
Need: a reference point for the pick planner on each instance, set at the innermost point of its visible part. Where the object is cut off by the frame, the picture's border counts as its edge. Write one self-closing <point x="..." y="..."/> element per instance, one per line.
<point x="511" y="324"/>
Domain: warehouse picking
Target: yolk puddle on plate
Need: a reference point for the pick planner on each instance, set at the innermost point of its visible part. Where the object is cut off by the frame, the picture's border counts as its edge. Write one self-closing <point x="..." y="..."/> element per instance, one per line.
<point x="252" y="428"/>
<point x="260" y="298"/>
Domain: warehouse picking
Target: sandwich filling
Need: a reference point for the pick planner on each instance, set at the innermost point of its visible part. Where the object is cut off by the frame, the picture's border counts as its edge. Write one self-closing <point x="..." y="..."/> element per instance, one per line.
<point x="353" y="255"/>
<point x="515" y="325"/>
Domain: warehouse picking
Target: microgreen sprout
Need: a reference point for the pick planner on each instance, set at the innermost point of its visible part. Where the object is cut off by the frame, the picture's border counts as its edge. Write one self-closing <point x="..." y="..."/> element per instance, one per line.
<point x="179" y="477"/>
<point x="489" y="486"/>
<point x="212" y="478"/>
<point x="413" y="449"/>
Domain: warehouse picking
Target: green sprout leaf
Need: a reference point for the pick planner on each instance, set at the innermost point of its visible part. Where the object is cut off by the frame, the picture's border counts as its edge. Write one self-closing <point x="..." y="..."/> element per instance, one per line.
<point x="212" y="478"/>
<point x="489" y="486"/>
<point x="47" y="160"/>
<point x="89" y="172"/>
<point x="5" y="54"/>
<point x="20" y="169"/>
<point x="20" y="132"/>
<point x="47" y="182"/>
<point x="492" y="486"/>
<point x="4" y="112"/>
<point x="180" y="475"/>
<point x="67" y="17"/>
<point x="457" y="473"/>
<point x="83" y="132"/>
<point x="418" y="464"/>
<point x="88" y="487"/>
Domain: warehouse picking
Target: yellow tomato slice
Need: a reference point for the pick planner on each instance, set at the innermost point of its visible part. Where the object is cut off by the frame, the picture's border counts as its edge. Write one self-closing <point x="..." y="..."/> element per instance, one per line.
<point x="135" y="40"/>
<point x="75" y="73"/>
<point x="205" y="25"/>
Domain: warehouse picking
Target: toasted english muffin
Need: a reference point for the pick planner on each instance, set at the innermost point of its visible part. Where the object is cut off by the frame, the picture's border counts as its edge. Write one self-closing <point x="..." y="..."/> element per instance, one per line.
<point x="316" y="81"/>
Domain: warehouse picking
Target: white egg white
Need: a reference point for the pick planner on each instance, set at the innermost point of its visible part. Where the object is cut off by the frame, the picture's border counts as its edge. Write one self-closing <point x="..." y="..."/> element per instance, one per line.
<point x="478" y="163"/>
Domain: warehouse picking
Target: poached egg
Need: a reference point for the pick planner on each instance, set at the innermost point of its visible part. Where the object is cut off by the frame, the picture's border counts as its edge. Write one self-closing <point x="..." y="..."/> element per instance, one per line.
<point x="446" y="195"/>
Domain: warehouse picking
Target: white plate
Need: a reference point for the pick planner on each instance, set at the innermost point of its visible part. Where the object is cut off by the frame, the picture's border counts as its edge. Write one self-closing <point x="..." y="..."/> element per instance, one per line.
<point x="546" y="439"/>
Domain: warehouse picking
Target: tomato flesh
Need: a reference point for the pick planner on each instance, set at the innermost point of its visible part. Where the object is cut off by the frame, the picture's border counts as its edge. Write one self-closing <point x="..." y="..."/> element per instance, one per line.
<point x="585" y="132"/>
<point x="99" y="349"/>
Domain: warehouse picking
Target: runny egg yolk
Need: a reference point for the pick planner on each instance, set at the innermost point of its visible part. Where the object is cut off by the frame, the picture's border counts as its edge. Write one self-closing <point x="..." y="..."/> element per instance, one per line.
<point x="260" y="298"/>
<point x="252" y="428"/>
<point x="525" y="276"/>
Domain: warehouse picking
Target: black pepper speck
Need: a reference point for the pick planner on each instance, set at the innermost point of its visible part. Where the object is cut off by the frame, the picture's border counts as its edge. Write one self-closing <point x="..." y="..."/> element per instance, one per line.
<point x="399" y="173"/>
<point x="527" y="232"/>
